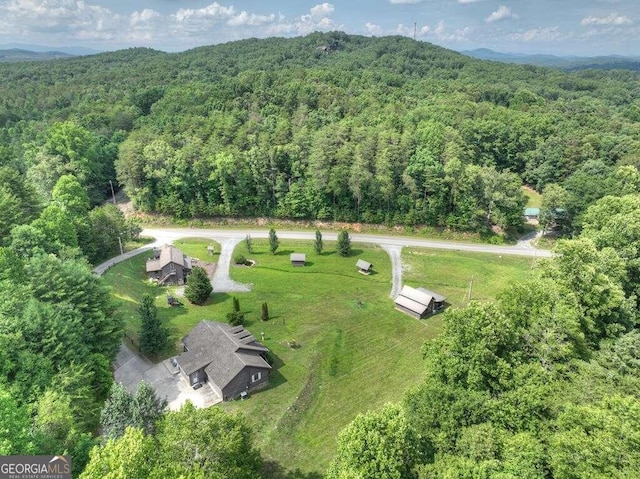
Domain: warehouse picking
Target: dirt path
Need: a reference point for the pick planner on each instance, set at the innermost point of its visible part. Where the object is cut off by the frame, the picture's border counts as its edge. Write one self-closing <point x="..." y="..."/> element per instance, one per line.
<point x="394" y="253"/>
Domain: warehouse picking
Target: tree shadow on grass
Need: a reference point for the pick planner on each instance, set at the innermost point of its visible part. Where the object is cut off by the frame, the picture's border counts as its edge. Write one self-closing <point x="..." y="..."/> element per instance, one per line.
<point x="284" y="252"/>
<point x="274" y="470"/>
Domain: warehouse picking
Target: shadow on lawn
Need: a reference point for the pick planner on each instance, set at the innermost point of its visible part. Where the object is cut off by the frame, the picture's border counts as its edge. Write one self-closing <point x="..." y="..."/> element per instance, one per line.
<point x="274" y="470"/>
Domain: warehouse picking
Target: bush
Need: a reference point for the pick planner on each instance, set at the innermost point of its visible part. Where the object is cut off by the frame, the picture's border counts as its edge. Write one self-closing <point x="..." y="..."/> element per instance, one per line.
<point x="239" y="259"/>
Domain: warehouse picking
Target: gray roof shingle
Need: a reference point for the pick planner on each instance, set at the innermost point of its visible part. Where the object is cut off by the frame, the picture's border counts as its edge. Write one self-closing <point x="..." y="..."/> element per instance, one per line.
<point x="223" y="351"/>
<point x="168" y="254"/>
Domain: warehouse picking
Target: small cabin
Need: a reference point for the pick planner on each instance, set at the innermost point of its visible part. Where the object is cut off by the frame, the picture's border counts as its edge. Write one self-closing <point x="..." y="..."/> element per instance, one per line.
<point x="298" y="259"/>
<point x="419" y="302"/>
<point x="364" y="267"/>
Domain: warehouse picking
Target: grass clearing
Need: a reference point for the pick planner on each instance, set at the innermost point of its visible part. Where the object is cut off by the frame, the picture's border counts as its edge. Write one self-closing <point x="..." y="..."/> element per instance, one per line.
<point x="355" y="351"/>
<point x="534" y="199"/>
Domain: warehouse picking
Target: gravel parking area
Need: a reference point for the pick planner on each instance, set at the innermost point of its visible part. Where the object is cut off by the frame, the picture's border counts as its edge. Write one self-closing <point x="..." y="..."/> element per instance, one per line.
<point x="131" y="368"/>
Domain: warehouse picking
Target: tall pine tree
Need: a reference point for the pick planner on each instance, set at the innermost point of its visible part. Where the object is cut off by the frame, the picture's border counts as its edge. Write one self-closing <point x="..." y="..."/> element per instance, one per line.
<point x="153" y="337"/>
<point x="198" y="286"/>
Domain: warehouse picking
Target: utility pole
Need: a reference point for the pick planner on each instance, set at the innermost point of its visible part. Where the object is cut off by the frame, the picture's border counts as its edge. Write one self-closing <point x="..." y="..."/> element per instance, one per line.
<point x="113" y="193"/>
<point x="415" y="30"/>
<point x="121" y="248"/>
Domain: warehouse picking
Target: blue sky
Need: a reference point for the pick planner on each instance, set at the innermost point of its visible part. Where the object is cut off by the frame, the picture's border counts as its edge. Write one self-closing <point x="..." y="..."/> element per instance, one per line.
<point x="575" y="27"/>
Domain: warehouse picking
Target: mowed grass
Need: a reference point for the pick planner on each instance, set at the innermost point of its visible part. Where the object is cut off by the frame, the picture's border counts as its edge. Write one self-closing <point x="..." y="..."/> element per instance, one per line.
<point x="454" y="274"/>
<point x="534" y="199"/>
<point x="354" y="352"/>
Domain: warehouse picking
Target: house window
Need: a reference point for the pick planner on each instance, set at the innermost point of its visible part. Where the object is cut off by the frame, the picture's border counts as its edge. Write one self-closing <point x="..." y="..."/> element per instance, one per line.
<point x="256" y="377"/>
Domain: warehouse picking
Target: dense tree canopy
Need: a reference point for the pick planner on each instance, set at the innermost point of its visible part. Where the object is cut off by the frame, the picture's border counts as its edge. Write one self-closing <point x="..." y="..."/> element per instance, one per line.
<point x="375" y="129"/>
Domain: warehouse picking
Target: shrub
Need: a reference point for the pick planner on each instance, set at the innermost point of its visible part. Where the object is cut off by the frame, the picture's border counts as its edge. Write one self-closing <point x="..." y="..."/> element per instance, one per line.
<point x="239" y="259"/>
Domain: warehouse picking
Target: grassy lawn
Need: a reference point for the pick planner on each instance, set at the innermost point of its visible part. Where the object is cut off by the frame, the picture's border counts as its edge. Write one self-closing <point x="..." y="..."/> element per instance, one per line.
<point x="450" y="273"/>
<point x="534" y="199"/>
<point x="355" y="351"/>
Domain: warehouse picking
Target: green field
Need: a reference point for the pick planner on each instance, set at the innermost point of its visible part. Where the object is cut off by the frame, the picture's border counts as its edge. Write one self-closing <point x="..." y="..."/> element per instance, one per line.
<point x="534" y="199"/>
<point x="356" y="352"/>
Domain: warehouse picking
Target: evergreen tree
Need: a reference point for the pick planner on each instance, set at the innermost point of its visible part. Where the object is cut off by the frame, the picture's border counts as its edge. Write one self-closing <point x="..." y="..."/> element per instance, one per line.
<point x="265" y="312"/>
<point x="116" y="415"/>
<point x="248" y="242"/>
<point x="153" y="337"/>
<point x="146" y="408"/>
<point x="198" y="287"/>
<point x="235" y="317"/>
<point x="273" y="241"/>
<point x="318" y="243"/>
<point x="344" y="243"/>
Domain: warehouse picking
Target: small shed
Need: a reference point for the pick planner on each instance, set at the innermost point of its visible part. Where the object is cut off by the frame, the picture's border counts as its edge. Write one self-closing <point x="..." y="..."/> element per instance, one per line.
<point x="418" y="302"/>
<point x="531" y="213"/>
<point x="364" y="267"/>
<point x="298" y="259"/>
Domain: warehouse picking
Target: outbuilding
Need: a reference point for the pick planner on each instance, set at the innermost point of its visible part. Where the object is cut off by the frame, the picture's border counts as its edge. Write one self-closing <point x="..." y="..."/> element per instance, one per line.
<point x="418" y="302"/>
<point x="298" y="259"/>
<point x="364" y="267"/>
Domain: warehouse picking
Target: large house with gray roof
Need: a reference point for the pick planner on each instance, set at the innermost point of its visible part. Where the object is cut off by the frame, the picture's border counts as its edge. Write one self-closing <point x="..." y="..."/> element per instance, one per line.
<point x="227" y="358"/>
<point x="169" y="265"/>
<point x="419" y="302"/>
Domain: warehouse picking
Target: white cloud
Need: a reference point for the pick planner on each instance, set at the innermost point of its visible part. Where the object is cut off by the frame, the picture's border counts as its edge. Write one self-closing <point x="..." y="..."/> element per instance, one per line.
<point x="439" y="32"/>
<point x="373" y="29"/>
<point x="318" y="18"/>
<point x="408" y="31"/>
<point x="400" y="2"/>
<point x="210" y="12"/>
<point x="611" y="19"/>
<point x="543" y="34"/>
<point x="502" y="13"/>
<point x="466" y="2"/>
<point x="322" y="10"/>
<point x="250" y="19"/>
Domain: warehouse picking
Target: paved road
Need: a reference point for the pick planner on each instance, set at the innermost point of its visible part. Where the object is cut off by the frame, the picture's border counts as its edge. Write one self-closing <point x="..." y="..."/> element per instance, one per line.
<point x="168" y="235"/>
<point x="393" y="245"/>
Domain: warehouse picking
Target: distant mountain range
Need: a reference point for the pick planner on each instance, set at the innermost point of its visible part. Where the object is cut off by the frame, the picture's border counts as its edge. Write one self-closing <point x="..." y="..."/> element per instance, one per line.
<point x="18" y="52"/>
<point x="609" y="62"/>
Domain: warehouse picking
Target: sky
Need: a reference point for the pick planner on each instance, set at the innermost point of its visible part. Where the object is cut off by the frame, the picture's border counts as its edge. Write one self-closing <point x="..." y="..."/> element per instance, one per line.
<point x="560" y="27"/>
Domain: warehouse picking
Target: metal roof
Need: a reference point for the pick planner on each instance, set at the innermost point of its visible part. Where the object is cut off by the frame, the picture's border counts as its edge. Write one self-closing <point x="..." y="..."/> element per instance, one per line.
<point x="411" y="305"/>
<point x="416" y="295"/>
<point x="362" y="264"/>
<point x="438" y="298"/>
<point x="298" y="257"/>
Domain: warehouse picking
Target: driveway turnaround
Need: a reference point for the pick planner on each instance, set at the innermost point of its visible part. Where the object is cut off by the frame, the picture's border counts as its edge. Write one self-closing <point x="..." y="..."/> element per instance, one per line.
<point x="168" y="383"/>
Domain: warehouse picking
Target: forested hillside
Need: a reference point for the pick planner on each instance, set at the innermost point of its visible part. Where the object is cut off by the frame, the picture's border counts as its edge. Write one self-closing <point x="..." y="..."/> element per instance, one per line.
<point x="327" y="126"/>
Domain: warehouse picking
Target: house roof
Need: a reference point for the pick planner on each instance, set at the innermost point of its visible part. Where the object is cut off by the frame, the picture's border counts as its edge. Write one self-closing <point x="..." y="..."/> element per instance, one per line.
<point x="411" y="305"/>
<point x="298" y="257"/>
<point x="168" y="254"/>
<point x="438" y="298"/>
<point x="362" y="264"/>
<point x="416" y="295"/>
<point x="417" y="299"/>
<point x="222" y="350"/>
